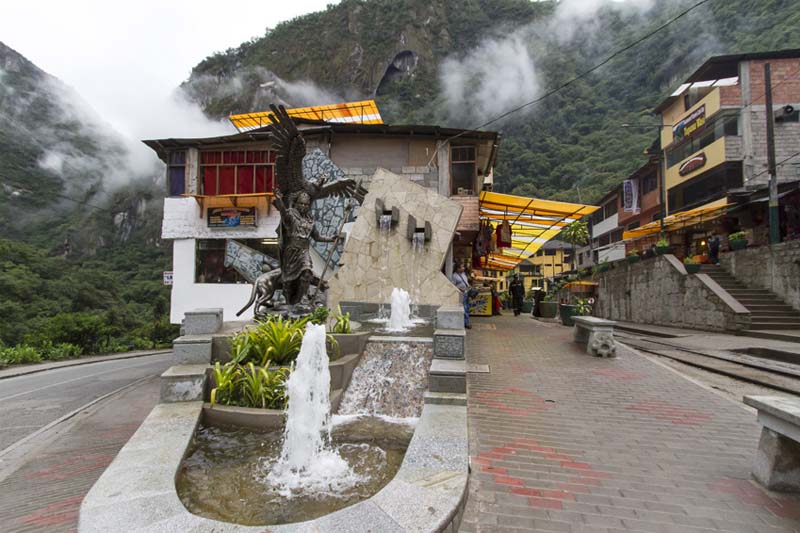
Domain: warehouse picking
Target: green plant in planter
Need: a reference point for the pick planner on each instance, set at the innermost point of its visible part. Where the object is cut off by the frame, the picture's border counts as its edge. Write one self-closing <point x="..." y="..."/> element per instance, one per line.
<point x="633" y="256"/>
<point x="282" y="340"/>
<point x="692" y="265"/>
<point x="737" y="240"/>
<point x="341" y="323"/>
<point x="663" y="246"/>
<point x="320" y="314"/>
<point x="603" y="266"/>
<point x="225" y="378"/>
<point x="582" y="307"/>
<point x="261" y="387"/>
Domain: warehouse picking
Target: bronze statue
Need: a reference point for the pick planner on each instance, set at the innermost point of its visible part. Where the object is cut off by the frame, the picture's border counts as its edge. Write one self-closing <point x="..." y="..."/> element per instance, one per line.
<point x="293" y="199"/>
<point x="264" y="288"/>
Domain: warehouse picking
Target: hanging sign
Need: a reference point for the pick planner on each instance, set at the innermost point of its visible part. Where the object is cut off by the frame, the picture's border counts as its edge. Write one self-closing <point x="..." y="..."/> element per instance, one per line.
<point x="231" y="217"/>
<point x="692" y="164"/>
<point x="630" y="196"/>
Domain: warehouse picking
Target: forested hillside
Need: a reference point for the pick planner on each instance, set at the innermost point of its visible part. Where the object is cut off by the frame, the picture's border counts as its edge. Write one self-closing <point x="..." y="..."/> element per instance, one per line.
<point x="415" y="55"/>
<point x="80" y="258"/>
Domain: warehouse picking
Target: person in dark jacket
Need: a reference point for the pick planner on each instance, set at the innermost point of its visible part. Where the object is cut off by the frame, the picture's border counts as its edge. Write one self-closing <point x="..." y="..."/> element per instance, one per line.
<point x="517" y="291"/>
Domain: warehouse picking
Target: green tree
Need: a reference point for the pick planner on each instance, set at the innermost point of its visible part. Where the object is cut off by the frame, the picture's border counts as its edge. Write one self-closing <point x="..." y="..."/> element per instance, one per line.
<point x="576" y="233"/>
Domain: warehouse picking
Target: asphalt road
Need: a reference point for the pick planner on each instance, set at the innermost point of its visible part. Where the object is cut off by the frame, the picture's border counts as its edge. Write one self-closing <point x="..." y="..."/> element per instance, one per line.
<point x="32" y="401"/>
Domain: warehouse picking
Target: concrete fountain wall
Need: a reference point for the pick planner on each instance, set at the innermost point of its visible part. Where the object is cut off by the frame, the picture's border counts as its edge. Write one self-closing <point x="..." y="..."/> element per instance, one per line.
<point x="373" y="263"/>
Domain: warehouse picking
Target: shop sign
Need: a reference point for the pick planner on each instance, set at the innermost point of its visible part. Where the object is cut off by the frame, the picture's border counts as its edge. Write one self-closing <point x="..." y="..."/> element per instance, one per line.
<point x="231" y="217"/>
<point x="167" y="277"/>
<point x="690" y="124"/>
<point x="692" y="164"/>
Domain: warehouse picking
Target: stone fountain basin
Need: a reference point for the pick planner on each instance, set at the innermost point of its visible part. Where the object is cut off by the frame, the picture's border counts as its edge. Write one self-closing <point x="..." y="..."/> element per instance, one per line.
<point x="137" y="491"/>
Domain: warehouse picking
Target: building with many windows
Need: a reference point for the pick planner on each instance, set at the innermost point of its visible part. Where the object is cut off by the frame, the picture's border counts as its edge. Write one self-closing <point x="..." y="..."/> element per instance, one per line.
<point x="221" y="189"/>
<point x="714" y="129"/>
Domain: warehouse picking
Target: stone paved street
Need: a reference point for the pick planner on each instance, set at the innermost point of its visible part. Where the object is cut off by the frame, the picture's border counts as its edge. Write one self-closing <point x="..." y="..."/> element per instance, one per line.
<point x="561" y="441"/>
<point x="46" y="492"/>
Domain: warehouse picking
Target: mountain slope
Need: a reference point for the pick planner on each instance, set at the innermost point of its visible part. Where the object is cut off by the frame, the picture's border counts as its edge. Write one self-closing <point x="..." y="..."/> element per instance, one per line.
<point x="452" y="63"/>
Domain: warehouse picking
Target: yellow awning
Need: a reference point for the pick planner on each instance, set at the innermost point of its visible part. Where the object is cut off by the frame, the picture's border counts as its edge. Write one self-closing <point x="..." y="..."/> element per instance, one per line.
<point x="581" y="284"/>
<point x="533" y="221"/>
<point x="679" y="220"/>
<point x="501" y="262"/>
<point x="362" y="112"/>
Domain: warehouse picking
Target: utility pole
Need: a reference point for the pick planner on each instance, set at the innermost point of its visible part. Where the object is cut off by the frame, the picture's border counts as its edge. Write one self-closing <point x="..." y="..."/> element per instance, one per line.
<point x="663" y="187"/>
<point x="774" y="213"/>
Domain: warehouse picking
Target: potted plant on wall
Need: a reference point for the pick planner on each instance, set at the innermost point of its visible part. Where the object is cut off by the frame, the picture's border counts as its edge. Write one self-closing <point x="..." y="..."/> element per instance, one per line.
<point x="603" y="266"/>
<point x="548" y="307"/>
<point x="633" y="256"/>
<point x="737" y="240"/>
<point x="663" y="247"/>
<point x="692" y="266"/>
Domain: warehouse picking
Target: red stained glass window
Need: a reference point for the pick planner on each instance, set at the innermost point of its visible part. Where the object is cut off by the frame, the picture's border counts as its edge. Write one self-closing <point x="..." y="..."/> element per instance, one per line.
<point x="237" y="171"/>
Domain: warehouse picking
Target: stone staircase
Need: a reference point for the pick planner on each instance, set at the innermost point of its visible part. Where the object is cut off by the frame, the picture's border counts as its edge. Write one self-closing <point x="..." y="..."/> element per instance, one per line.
<point x="767" y="310"/>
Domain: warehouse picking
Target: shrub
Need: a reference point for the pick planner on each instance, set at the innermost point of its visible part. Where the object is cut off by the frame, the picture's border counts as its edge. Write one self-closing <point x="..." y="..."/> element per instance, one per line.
<point x="59" y="351"/>
<point x="20" y="354"/>
<point x="737" y="236"/>
<point x="582" y="307"/>
<point x="249" y="386"/>
<point x="690" y="261"/>
<point x="662" y="243"/>
<point x="633" y="252"/>
<point x="320" y="315"/>
<point x="342" y="323"/>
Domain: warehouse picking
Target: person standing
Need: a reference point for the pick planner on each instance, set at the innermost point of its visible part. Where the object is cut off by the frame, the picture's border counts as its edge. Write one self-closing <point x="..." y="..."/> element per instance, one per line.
<point x="517" y="291"/>
<point x="713" y="248"/>
<point x="461" y="281"/>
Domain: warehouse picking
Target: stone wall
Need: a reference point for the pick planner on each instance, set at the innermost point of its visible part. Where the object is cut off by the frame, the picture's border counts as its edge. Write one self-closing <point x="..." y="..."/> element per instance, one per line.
<point x="775" y="268"/>
<point x="659" y="291"/>
<point x="373" y="262"/>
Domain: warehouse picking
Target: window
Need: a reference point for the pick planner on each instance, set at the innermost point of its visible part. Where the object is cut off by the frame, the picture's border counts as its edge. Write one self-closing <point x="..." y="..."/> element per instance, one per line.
<point x="720" y="125"/>
<point x="649" y="183"/>
<point x="462" y="170"/>
<point x="237" y="171"/>
<point x="610" y="209"/>
<point x="210" y="259"/>
<point x="633" y="225"/>
<point x="176" y="173"/>
<point x="705" y="188"/>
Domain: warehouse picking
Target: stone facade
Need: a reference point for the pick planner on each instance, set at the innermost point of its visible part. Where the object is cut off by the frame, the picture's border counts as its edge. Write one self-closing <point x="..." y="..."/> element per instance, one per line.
<point x="373" y="262"/>
<point x="660" y="292"/>
<point x="775" y="268"/>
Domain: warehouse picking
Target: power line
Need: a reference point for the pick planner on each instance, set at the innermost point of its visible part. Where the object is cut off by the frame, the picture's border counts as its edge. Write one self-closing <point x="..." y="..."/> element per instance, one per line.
<point x="592" y="69"/>
<point x="777" y="165"/>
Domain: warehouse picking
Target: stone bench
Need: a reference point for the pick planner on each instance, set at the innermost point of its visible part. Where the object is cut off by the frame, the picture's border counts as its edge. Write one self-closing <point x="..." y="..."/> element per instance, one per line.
<point x="597" y="334"/>
<point x="777" y="461"/>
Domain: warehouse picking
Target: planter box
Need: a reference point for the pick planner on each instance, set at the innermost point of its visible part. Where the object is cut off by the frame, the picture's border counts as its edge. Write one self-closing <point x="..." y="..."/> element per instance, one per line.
<point x="566" y="312"/>
<point x="692" y="269"/>
<point x="738" y="244"/>
<point x="527" y="306"/>
<point x="548" y="309"/>
<point x="661" y="250"/>
<point x="633" y="259"/>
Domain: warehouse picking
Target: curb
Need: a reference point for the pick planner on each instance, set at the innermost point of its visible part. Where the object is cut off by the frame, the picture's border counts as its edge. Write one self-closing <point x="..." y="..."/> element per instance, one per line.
<point x="41" y="367"/>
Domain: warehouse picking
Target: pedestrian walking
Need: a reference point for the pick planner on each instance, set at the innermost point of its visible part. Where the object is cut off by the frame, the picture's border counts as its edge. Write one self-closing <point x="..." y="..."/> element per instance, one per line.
<point x="461" y="281"/>
<point x="517" y="291"/>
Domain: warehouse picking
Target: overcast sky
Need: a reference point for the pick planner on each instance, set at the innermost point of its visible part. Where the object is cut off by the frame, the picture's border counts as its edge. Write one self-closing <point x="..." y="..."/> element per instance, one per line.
<point x="125" y="58"/>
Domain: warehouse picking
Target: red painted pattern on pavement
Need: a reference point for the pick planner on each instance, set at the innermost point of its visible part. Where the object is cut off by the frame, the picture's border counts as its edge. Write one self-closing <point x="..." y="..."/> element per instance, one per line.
<point x="56" y="514"/>
<point x="503" y="399"/>
<point x="547" y="498"/>
<point x="74" y="466"/>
